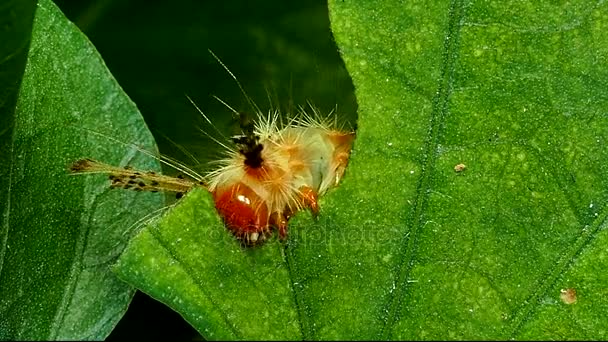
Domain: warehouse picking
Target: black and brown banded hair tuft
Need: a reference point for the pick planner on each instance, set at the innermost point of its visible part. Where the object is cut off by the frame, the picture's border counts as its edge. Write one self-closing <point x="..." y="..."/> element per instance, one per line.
<point x="249" y="143"/>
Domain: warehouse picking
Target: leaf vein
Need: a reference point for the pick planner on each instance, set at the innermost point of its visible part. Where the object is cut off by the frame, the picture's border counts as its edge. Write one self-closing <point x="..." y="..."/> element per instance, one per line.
<point x="190" y="272"/>
<point x="564" y="261"/>
<point x="307" y="335"/>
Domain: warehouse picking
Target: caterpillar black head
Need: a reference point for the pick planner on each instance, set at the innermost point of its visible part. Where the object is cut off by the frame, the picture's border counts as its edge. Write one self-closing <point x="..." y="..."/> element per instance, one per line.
<point x="249" y="143"/>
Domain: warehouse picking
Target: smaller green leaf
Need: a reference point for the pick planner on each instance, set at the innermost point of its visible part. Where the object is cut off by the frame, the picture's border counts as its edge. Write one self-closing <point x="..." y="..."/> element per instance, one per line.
<point x="59" y="232"/>
<point x="189" y="261"/>
<point x="16" y="20"/>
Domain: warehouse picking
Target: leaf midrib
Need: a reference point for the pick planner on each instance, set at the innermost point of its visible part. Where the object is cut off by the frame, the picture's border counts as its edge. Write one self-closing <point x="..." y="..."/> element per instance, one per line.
<point x="7" y="209"/>
<point x="440" y="108"/>
<point x="75" y="269"/>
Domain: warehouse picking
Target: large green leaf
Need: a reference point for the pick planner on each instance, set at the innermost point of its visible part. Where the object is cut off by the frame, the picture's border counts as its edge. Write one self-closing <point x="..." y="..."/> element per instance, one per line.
<point x="60" y="232"/>
<point x="407" y="247"/>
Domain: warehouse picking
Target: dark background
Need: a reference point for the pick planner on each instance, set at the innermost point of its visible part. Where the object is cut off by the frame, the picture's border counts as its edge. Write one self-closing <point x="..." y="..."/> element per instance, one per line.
<point x="281" y="51"/>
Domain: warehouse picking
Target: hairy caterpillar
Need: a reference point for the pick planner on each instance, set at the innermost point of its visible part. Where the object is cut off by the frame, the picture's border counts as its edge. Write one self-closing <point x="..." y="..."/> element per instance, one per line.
<point x="271" y="173"/>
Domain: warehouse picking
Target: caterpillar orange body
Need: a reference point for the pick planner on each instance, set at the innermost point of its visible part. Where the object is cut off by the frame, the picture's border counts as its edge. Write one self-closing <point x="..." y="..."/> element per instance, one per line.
<point x="276" y="173"/>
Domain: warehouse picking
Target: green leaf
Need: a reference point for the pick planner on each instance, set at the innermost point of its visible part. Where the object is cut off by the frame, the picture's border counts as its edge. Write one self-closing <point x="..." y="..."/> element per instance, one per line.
<point x="60" y="232"/>
<point x="407" y="247"/>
